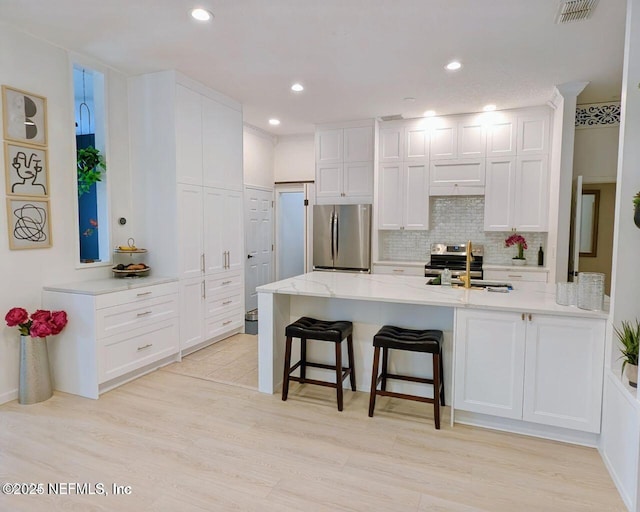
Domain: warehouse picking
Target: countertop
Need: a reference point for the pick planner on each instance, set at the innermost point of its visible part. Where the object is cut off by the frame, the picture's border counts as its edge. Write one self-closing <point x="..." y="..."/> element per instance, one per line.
<point x="102" y="286"/>
<point x="413" y="290"/>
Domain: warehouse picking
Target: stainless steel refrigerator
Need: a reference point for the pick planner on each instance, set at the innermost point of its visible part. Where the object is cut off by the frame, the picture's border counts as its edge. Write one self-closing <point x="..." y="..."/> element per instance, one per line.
<point x="342" y="237"/>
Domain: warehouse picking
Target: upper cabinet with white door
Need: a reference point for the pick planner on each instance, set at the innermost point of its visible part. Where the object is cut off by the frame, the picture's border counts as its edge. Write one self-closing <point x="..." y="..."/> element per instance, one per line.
<point x="344" y="163"/>
<point x="208" y="141"/>
<point x="403" y="176"/>
<point x="517" y="172"/>
<point x="458" y="150"/>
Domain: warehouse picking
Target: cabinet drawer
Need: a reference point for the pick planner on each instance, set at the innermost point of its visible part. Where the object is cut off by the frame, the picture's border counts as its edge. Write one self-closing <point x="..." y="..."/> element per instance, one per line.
<point x="466" y="172"/>
<point x="516" y="275"/>
<point x="127" y="352"/>
<point x="218" y="284"/>
<point x="223" y="303"/>
<point x="225" y="322"/>
<point x="398" y="270"/>
<point x="123" y="318"/>
<point x="135" y="295"/>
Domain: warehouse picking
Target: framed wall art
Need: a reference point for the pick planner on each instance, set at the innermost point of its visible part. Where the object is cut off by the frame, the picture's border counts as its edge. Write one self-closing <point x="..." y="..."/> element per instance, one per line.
<point x="26" y="169"/>
<point x="29" y="223"/>
<point x="24" y="116"/>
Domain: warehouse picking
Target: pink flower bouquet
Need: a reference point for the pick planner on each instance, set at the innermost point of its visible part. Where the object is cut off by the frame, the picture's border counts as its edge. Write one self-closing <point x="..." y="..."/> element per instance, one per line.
<point x="518" y="240"/>
<point x="40" y="324"/>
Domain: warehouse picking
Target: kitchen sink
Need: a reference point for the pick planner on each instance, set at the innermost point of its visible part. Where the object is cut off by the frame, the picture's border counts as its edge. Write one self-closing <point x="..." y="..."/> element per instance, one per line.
<point x="481" y="284"/>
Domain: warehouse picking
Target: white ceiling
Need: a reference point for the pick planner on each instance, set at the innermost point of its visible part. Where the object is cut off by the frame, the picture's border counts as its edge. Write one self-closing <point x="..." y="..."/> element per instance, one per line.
<point x="356" y="58"/>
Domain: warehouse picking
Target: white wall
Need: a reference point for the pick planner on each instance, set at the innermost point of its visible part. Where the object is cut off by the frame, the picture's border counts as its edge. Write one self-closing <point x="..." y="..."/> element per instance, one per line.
<point x="32" y="65"/>
<point x="596" y="154"/>
<point x="619" y="443"/>
<point x="258" y="156"/>
<point x="295" y="158"/>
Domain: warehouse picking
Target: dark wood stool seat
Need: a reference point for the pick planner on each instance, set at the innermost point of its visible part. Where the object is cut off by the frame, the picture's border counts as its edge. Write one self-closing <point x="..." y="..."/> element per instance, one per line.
<point x="307" y="328"/>
<point x="397" y="338"/>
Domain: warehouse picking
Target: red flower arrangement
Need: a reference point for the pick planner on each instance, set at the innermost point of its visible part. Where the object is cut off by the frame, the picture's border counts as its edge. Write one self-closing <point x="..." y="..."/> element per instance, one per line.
<point x="518" y="240"/>
<point x="40" y="324"/>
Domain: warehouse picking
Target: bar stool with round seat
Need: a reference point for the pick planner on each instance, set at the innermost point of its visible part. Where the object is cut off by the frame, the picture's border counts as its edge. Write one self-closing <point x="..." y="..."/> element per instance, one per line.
<point x="397" y="338"/>
<point x="307" y="328"/>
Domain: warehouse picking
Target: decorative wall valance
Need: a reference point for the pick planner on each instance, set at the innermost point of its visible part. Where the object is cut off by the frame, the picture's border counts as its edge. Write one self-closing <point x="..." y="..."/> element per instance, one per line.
<point x="593" y="115"/>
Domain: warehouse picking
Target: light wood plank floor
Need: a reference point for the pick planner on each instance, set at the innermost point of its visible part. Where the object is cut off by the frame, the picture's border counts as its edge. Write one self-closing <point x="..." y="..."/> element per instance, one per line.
<point x="190" y="444"/>
<point x="231" y="361"/>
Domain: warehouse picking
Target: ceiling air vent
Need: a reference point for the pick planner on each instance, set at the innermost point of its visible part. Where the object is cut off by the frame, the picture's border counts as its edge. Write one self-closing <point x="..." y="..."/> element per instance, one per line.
<point x="575" y="10"/>
<point x="394" y="117"/>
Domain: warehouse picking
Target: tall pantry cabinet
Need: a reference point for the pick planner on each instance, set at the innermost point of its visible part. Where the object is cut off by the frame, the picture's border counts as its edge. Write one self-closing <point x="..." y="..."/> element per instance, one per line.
<point x="187" y="172"/>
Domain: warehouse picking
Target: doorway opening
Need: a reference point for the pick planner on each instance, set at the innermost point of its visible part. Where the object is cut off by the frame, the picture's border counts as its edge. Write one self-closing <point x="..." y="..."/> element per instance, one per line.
<point x="293" y="229"/>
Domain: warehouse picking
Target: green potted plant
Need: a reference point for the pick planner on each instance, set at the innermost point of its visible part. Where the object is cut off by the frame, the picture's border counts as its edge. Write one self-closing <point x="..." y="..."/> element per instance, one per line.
<point x="629" y="336"/>
<point x="636" y="209"/>
<point x="91" y="165"/>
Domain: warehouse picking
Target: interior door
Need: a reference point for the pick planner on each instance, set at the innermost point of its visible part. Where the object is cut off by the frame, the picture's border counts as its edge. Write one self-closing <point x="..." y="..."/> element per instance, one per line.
<point x="258" y="242"/>
<point x="576" y="220"/>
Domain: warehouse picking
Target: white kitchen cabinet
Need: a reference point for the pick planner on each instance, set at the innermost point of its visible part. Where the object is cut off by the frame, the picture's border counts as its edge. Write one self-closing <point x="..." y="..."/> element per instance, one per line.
<point x="539" y="368"/>
<point x="403" y="142"/>
<point x="208" y="141"/>
<point x="192" y="312"/>
<point x="344" y="164"/>
<point x="188" y="115"/>
<point x="344" y="183"/>
<point x="526" y="274"/>
<point x="464" y="176"/>
<point x="489" y="363"/>
<point x="563" y="372"/>
<point x="222" y="145"/>
<point x="186" y="138"/>
<point x="502" y="134"/>
<point x="517" y="194"/>
<point x="190" y="240"/>
<point x="403" y="201"/>
<point x="458" y="137"/>
<point x="398" y="268"/>
<point x="533" y="133"/>
<point x="123" y="333"/>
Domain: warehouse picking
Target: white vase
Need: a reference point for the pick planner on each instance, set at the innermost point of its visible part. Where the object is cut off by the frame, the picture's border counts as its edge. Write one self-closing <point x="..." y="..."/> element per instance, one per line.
<point x="631" y="371"/>
<point x="35" y="379"/>
<point x="518" y="263"/>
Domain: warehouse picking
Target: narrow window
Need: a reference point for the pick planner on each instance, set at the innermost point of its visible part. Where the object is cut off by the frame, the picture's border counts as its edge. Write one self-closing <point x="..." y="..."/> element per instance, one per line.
<point x="93" y="218"/>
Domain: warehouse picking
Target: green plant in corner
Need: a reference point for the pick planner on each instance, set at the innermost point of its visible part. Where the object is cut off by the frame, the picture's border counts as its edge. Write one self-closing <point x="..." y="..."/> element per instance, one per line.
<point x="91" y="165"/>
<point x="636" y="200"/>
<point x="629" y="336"/>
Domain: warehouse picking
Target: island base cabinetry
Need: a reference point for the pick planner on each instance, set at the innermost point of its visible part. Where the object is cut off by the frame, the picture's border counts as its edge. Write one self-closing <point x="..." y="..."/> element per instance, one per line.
<point x="536" y="368"/>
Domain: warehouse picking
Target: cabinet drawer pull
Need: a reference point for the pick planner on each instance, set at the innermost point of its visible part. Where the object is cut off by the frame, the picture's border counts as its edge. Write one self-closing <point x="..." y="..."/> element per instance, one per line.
<point x="522" y="316"/>
<point x="227" y="302"/>
<point x="143" y="294"/>
<point x="529" y="317"/>
<point x="399" y="270"/>
<point x="227" y="322"/>
<point x="227" y="282"/>
<point x="145" y="346"/>
<point x="144" y="314"/>
<point x="514" y="275"/>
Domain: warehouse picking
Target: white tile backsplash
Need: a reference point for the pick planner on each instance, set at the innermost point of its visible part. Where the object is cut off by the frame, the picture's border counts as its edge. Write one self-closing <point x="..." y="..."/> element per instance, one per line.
<point x="455" y="220"/>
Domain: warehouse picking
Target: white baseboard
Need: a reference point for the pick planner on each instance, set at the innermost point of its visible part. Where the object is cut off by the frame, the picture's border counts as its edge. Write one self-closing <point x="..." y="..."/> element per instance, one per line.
<point x="9" y="396"/>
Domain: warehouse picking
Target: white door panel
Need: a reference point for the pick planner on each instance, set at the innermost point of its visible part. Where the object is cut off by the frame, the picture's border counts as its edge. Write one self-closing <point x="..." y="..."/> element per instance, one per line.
<point x="190" y="244"/>
<point x="259" y="242"/>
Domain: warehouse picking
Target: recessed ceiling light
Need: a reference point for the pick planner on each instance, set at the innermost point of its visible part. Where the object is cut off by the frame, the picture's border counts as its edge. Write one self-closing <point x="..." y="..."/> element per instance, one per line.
<point x="274" y="122"/>
<point x="453" y="65"/>
<point x="297" y="87"/>
<point x="489" y="108"/>
<point x="201" y="14"/>
<point x="429" y="113"/>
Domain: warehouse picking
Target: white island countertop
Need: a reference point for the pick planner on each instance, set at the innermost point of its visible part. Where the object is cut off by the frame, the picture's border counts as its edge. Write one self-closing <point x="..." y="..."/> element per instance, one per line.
<point x="102" y="286"/>
<point x="414" y="290"/>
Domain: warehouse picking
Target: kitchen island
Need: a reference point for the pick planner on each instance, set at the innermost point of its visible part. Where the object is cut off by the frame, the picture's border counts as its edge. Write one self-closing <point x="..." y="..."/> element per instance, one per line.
<point x="515" y="361"/>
